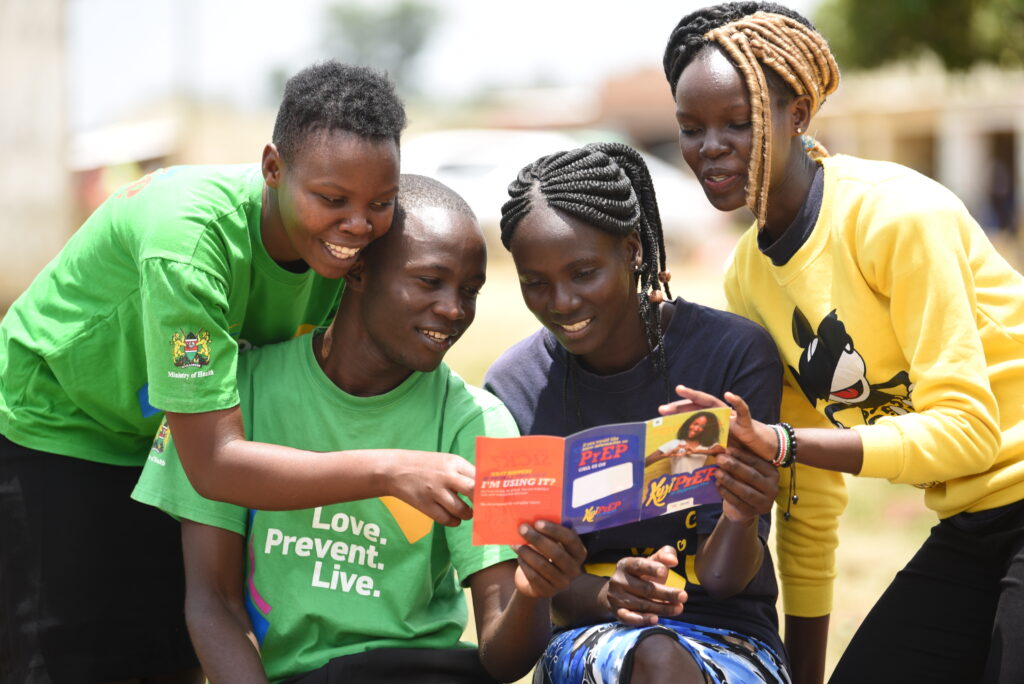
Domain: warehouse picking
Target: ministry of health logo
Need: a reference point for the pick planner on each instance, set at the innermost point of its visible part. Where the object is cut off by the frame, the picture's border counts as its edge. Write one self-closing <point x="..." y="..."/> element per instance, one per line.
<point x="190" y="350"/>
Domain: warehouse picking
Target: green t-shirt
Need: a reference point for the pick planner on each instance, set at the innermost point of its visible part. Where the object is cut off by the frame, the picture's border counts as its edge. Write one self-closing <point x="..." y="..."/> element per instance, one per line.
<point x="351" y="577"/>
<point x="145" y="307"/>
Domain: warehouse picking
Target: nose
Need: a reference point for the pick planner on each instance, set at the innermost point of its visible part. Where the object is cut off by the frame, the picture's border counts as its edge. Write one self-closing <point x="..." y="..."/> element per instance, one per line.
<point x="357" y="223"/>
<point x="563" y="299"/>
<point x="449" y="305"/>
<point x="713" y="145"/>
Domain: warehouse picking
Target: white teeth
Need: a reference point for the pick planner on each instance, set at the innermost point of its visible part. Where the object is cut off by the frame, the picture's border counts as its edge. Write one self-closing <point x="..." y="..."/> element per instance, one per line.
<point x="341" y="252"/>
<point x="434" y="335"/>
<point x="717" y="179"/>
<point x="577" y="326"/>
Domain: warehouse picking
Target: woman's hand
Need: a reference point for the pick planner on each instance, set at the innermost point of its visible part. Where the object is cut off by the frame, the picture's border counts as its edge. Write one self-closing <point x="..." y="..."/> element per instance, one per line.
<point x="748" y="484"/>
<point x="636" y="593"/>
<point x="549" y="561"/>
<point x="750" y="433"/>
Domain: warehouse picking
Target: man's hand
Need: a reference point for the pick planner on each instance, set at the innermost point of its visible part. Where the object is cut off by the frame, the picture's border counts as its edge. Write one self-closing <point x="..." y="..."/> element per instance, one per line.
<point x="431" y="482"/>
<point x="636" y="593"/>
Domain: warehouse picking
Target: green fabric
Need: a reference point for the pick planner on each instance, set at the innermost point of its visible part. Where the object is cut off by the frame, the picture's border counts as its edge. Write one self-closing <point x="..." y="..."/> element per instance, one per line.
<point x="174" y="253"/>
<point x="393" y="587"/>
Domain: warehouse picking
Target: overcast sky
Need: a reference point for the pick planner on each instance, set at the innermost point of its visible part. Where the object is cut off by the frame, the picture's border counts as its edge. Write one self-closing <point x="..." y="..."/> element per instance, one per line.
<point x="123" y="53"/>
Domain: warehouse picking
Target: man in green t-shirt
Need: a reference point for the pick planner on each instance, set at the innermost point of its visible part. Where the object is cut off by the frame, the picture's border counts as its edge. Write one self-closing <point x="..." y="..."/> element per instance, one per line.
<point x="367" y="586"/>
<point x="143" y="312"/>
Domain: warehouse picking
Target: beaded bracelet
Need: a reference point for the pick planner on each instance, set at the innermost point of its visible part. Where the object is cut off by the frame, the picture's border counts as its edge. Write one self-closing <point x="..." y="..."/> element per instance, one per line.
<point x="783" y="446"/>
<point x="791" y="440"/>
<point x="787" y="459"/>
<point x="785" y="456"/>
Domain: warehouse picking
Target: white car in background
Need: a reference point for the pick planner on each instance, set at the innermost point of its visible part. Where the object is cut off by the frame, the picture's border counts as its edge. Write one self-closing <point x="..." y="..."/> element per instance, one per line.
<point x="479" y="164"/>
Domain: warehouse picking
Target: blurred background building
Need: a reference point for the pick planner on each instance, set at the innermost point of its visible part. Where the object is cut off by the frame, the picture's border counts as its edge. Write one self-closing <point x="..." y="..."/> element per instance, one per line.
<point x="97" y="92"/>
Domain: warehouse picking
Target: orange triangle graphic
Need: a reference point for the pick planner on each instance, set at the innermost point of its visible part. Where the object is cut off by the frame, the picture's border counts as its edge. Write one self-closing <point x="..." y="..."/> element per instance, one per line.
<point x="414" y="524"/>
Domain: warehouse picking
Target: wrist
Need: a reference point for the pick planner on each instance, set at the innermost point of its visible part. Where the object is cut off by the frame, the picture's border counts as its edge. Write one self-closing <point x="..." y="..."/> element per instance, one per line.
<point x="384" y="473"/>
<point x="785" y="453"/>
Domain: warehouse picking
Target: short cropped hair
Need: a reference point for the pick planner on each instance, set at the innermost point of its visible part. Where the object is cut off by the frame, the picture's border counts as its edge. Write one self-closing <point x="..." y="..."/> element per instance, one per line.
<point x="330" y="96"/>
<point x="422" y="192"/>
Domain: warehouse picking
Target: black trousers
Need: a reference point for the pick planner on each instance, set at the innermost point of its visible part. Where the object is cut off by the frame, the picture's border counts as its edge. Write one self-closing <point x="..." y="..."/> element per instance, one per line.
<point x="91" y="582"/>
<point x="954" y="614"/>
<point x="402" y="665"/>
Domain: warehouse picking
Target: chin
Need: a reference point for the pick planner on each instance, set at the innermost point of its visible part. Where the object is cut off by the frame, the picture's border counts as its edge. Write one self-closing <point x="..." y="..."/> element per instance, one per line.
<point x="576" y="347"/>
<point x="425" y="365"/>
<point x="727" y="203"/>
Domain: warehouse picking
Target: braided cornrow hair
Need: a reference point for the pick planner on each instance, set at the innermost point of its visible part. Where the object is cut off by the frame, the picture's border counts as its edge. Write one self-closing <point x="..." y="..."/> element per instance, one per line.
<point x="608" y="186"/>
<point x="756" y="35"/>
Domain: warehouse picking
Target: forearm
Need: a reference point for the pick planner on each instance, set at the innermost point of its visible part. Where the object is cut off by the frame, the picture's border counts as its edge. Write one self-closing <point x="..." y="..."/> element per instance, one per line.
<point x="806" y="640"/>
<point x="273" y="477"/>
<point x="580" y="604"/>
<point x="223" y="641"/>
<point x="830" y="449"/>
<point x="511" y="644"/>
<point x="729" y="559"/>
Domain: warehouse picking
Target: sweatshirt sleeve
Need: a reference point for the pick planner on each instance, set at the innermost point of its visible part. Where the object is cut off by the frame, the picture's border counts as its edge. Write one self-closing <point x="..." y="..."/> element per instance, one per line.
<point x="805" y="544"/>
<point x="921" y="260"/>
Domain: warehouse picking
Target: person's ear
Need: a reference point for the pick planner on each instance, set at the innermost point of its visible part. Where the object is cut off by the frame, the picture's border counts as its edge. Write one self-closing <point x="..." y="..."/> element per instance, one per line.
<point x="635" y="250"/>
<point x="271" y="165"/>
<point x="799" y="113"/>
<point x="356" y="278"/>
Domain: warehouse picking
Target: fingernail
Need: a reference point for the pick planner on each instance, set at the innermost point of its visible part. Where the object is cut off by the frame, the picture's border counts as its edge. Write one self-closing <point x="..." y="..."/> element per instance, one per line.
<point x="523" y="529"/>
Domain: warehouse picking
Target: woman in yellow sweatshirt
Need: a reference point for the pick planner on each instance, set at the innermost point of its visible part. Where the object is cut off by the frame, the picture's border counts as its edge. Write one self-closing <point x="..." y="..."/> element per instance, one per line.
<point x="896" y="318"/>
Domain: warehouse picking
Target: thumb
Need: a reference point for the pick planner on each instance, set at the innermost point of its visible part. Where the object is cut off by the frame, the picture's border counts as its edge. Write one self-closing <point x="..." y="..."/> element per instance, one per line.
<point x="667" y="556"/>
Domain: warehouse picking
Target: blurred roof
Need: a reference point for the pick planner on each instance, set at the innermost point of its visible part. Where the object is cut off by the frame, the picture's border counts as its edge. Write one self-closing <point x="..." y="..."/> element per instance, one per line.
<point x="480" y="163"/>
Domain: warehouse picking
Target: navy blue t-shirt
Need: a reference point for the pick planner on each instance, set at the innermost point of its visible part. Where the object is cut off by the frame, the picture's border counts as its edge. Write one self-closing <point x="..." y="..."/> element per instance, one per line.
<point x="549" y="393"/>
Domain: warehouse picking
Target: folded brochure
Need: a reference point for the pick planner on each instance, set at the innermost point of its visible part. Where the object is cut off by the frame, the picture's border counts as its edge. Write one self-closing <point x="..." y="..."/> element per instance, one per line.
<point x="598" y="478"/>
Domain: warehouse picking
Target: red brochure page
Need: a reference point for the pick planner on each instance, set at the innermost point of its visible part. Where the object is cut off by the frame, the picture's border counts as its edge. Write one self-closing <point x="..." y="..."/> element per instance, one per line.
<point x="517" y="480"/>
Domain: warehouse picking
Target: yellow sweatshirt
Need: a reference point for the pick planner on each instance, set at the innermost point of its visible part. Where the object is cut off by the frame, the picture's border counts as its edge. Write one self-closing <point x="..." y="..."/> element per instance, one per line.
<point x="897" y="318"/>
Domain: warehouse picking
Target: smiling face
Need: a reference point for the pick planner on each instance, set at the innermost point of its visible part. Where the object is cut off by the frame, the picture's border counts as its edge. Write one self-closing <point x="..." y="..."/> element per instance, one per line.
<point x="418" y="294"/>
<point x="580" y="283"/>
<point x="696" y="427"/>
<point x="325" y="205"/>
<point x="716" y="134"/>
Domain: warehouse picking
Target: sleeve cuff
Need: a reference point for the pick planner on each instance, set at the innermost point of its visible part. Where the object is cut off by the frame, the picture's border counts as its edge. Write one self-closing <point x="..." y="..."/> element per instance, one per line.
<point x="807" y="600"/>
<point x="883" y="450"/>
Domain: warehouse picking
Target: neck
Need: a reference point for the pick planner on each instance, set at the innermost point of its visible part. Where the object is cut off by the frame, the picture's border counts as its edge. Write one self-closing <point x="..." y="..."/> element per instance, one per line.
<point x="352" y="361"/>
<point x="786" y="196"/>
<point x="626" y="350"/>
<point x="272" y="228"/>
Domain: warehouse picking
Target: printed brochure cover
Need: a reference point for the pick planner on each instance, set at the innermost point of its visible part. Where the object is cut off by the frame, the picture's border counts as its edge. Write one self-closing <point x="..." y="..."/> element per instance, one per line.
<point x="601" y="477"/>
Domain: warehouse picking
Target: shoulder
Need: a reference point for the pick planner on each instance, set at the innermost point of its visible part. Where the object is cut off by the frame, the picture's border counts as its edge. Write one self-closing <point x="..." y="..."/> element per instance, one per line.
<point x="282" y="359"/>
<point x="174" y="210"/>
<point x="467" y="405"/>
<point x="463" y="394"/>
<point x="723" y="326"/>
<point x="884" y="190"/>
<point x="522" y="366"/>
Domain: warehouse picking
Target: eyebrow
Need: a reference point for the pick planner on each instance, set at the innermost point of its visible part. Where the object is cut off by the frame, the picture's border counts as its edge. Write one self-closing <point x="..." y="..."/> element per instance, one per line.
<point x="731" y="109"/>
<point x="342" y="189"/>
<point x="582" y="261"/>
<point x="439" y="267"/>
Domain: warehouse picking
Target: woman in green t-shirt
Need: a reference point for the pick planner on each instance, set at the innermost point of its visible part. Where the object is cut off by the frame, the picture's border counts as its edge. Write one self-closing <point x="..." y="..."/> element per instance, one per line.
<point x="143" y="312"/>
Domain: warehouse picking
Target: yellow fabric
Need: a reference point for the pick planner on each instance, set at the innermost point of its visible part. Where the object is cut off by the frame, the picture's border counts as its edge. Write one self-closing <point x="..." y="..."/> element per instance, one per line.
<point x="921" y="291"/>
<point x="674" y="579"/>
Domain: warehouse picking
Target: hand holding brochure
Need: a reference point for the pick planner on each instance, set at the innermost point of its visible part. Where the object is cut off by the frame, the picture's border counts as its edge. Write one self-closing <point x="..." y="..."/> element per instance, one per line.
<point x="601" y="477"/>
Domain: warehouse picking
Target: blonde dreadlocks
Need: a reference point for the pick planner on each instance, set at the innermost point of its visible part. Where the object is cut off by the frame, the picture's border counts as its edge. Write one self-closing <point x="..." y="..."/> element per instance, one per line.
<point x="756" y="35"/>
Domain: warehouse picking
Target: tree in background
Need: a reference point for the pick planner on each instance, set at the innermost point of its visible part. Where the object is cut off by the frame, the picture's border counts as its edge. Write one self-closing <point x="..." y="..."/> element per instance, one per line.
<point x="388" y="36"/>
<point x="869" y="33"/>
